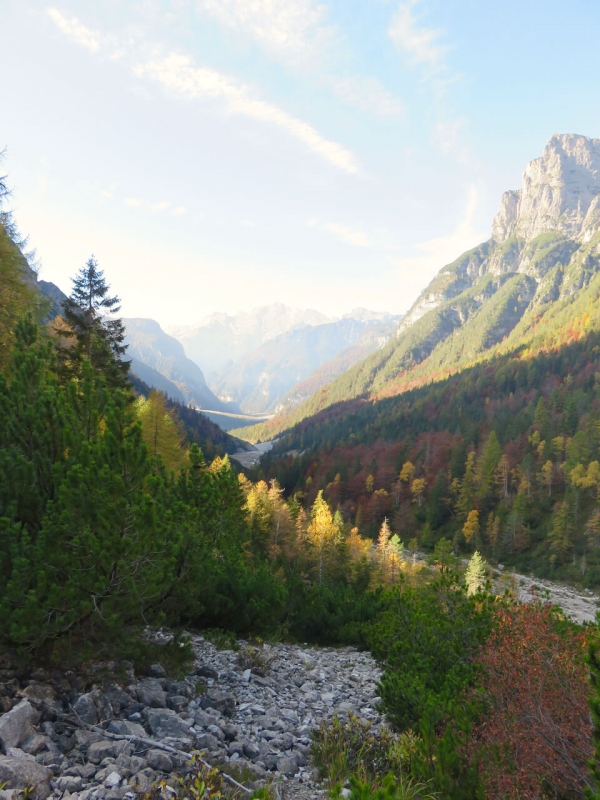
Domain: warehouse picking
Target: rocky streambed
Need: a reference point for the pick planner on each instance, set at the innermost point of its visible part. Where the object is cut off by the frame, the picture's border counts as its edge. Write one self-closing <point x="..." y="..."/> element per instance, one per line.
<point x="116" y="737"/>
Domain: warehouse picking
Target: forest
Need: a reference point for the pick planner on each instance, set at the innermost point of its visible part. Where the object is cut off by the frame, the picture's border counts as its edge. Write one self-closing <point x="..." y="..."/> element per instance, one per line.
<point x="116" y="513"/>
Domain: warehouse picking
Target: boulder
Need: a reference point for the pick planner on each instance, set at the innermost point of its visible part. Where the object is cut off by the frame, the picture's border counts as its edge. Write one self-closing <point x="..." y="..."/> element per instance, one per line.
<point x="16" y="724"/>
<point x="150" y="693"/>
<point x="159" y="760"/>
<point x="220" y="701"/>
<point x="164" y="722"/>
<point x="19" y="773"/>
<point x="124" y="727"/>
<point x="287" y="766"/>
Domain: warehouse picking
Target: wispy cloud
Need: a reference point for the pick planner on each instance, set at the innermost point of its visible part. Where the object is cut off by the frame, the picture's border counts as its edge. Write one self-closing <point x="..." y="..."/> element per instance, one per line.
<point x="132" y="201"/>
<point x="435" y="253"/>
<point x="292" y="31"/>
<point x="177" y="73"/>
<point x="162" y="206"/>
<point x="348" y="235"/>
<point x="74" y="28"/>
<point x="421" y="44"/>
<point x="180" y="210"/>
<point x="297" y="34"/>
<point x="367" y="94"/>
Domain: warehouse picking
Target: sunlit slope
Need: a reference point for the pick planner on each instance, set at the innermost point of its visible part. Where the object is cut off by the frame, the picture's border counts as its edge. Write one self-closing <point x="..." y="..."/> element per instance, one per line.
<point x="532" y="285"/>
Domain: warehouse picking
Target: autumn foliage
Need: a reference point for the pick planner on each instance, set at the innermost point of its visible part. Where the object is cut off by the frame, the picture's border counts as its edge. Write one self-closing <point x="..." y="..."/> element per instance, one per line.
<point x="535" y="733"/>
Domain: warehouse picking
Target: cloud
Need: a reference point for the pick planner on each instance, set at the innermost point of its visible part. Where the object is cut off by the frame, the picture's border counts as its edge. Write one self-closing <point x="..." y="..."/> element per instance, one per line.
<point x="105" y="193"/>
<point x="133" y="202"/>
<point x="177" y="73"/>
<point x="161" y="206"/>
<point x="180" y="210"/>
<point x="416" y="272"/>
<point x="75" y="29"/>
<point x="347" y="235"/>
<point x="291" y="31"/>
<point x="447" y="137"/>
<point x="366" y="94"/>
<point x="421" y="44"/>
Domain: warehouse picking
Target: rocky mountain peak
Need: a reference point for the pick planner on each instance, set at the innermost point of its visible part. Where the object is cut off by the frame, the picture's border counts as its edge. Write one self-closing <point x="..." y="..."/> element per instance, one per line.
<point x="560" y="193"/>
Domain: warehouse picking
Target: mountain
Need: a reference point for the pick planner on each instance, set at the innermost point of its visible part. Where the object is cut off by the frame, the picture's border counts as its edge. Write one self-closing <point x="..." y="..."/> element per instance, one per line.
<point x="260" y="380"/>
<point x="150" y="345"/>
<point x="523" y="288"/>
<point x="222" y="338"/>
<point x="374" y="336"/>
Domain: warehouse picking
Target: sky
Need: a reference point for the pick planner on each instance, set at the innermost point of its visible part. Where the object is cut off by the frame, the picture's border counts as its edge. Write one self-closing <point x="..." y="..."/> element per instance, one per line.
<point x="218" y="155"/>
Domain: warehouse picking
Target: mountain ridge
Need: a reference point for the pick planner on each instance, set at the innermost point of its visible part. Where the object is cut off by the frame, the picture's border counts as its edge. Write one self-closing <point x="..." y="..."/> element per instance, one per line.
<point x="492" y="297"/>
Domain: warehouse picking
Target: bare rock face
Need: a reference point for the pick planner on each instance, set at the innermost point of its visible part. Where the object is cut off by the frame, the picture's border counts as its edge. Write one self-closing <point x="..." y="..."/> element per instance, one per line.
<point x="559" y="190"/>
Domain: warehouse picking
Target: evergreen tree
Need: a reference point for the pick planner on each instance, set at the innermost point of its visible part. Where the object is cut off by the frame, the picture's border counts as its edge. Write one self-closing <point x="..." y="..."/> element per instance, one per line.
<point x="94" y="334"/>
<point x="162" y="434"/>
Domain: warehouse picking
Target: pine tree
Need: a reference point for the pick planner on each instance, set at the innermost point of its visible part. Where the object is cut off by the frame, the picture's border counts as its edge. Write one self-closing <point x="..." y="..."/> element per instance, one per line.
<point x="471" y="526"/>
<point x="95" y="335"/>
<point x="475" y="573"/>
<point x="323" y="535"/>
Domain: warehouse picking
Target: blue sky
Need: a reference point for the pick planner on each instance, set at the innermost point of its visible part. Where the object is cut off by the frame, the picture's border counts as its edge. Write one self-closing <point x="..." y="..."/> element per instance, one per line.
<point x="216" y="155"/>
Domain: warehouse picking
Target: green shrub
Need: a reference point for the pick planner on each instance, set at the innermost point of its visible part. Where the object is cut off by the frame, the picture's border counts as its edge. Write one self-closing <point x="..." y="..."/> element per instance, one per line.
<point x="340" y="749"/>
<point x="392" y="788"/>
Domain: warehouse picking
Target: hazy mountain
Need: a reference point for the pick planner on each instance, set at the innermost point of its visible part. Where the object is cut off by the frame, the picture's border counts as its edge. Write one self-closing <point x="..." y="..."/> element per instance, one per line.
<point x="150" y="345"/>
<point x="375" y="337"/>
<point x="222" y="338"/>
<point x="536" y="276"/>
<point x="260" y="380"/>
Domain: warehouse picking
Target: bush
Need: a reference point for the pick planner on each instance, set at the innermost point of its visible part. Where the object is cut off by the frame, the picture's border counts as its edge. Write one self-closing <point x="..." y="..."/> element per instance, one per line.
<point x="258" y="660"/>
<point x="393" y="788"/>
<point x="425" y="639"/>
<point x="341" y="749"/>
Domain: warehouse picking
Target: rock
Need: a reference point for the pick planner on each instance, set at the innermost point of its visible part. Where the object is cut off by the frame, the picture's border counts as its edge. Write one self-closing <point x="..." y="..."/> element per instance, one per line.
<point x="126" y="728"/>
<point x="35" y="743"/>
<point x="287" y="766"/>
<point x="156" y="671"/>
<point x="19" y="773"/>
<point x="201" y="718"/>
<point x="207" y="672"/>
<point x="68" y="783"/>
<point x="150" y="693"/>
<point x="143" y="780"/>
<point x="251" y="750"/>
<point x="93" y="708"/>
<point x="98" y="751"/>
<point x="129" y="765"/>
<point x="159" y="760"/>
<point x="177" y="703"/>
<point x="164" y="722"/>
<point x="17" y="724"/>
<point x="221" y="701"/>
<point x="206" y="741"/>
<point x="113" y="779"/>
<point x="230" y="731"/>
<point x="118" y="698"/>
<point x="235" y="748"/>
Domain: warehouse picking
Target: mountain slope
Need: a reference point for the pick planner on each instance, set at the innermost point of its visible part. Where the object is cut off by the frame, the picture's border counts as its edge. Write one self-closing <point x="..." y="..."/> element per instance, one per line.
<point x="259" y="381"/>
<point x="523" y="288"/>
<point x="150" y="345"/>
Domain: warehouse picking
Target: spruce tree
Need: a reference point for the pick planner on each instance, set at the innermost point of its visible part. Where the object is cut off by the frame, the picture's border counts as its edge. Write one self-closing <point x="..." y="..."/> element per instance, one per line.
<point x="96" y="335"/>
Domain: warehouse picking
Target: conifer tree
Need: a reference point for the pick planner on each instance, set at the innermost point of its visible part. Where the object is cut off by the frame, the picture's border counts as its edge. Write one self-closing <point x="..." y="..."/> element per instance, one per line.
<point x="95" y="335"/>
<point x="475" y="573"/>
<point x="162" y="434"/>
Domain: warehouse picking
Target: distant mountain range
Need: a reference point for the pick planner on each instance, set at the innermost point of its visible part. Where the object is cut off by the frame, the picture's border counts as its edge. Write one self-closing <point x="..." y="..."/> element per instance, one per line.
<point x="262" y="380"/>
<point x="221" y="339"/>
<point x="258" y="357"/>
<point x="529" y="286"/>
